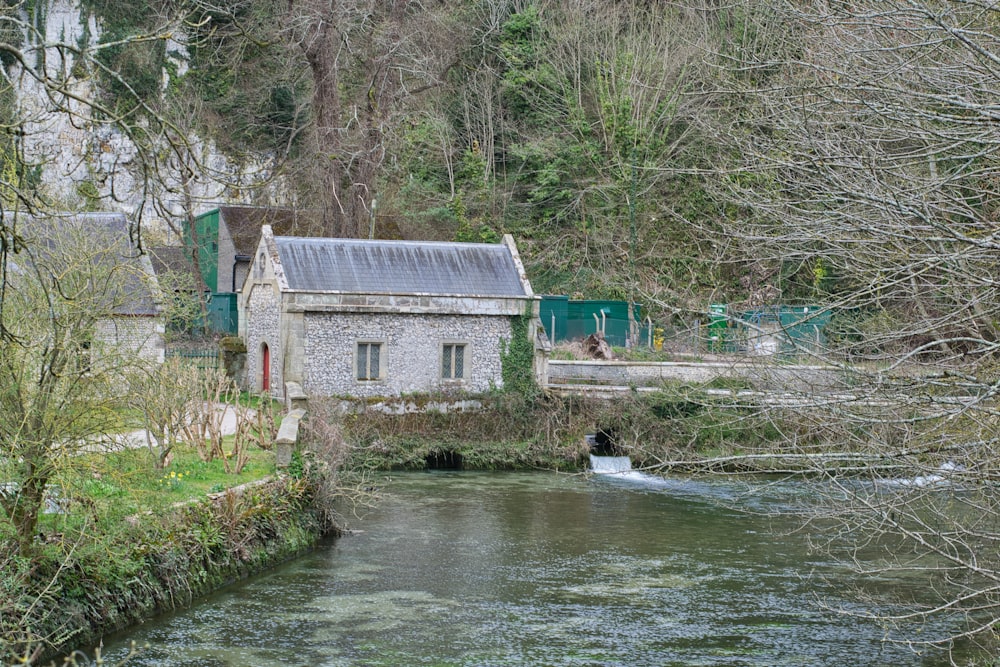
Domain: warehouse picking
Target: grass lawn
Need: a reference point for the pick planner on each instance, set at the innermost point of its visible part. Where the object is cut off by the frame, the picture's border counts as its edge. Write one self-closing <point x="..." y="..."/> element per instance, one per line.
<point x="123" y="484"/>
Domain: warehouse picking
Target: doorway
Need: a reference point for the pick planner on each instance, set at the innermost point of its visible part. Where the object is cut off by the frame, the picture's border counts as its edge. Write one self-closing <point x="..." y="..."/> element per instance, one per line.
<point x="265" y="376"/>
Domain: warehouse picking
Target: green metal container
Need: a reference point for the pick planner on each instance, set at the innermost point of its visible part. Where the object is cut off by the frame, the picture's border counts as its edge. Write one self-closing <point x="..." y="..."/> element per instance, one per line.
<point x="718" y="325"/>
<point x="222" y="313"/>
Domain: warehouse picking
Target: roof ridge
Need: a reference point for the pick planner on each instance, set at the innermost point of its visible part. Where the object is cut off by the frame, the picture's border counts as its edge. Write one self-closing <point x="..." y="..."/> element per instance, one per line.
<point x="326" y="239"/>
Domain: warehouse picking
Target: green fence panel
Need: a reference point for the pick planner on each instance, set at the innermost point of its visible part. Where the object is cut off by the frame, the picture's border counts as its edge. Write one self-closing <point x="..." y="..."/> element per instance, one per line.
<point x="804" y="326"/>
<point x="585" y="316"/>
<point x="579" y="324"/>
<point x="575" y="319"/>
<point x="614" y="318"/>
<point x="798" y="328"/>
<point x="554" y="312"/>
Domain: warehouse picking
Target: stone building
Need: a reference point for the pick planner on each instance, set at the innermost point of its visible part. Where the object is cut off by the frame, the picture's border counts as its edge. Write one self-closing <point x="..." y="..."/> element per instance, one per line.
<point x="364" y="318"/>
<point x="134" y="324"/>
<point x="224" y="239"/>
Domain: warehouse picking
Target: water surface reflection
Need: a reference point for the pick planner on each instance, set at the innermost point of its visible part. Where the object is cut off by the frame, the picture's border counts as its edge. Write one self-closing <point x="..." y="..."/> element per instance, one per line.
<point x="458" y="568"/>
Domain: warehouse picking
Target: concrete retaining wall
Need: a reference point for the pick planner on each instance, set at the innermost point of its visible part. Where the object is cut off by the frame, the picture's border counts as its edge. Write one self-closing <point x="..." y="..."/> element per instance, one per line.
<point x="760" y="375"/>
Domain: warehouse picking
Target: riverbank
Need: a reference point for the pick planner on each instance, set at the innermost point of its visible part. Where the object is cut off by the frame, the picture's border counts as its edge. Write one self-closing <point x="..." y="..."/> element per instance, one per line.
<point x="154" y="563"/>
<point x="507" y="431"/>
<point x="668" y="428"/>
<point x="72" y="594"/>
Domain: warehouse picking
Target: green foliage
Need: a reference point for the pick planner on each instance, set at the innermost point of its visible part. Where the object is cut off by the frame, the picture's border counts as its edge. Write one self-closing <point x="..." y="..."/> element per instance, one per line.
<point x="467" y="232"/>
<point x="90" y="195"/>
<point x="98" y="575"/>
<point x="526" y="78"/>
<point x="481" y="234"/>
<point x="420" y="146"/>
<point x="122" y="16"/>
<point x="296" y="467"/>
<point x="10" y="33"/>
<point x="517" y="359"/>
<point x="133" y="68"/>
<point x="18" y="177"/>
<point x="551" y="169"/>
<point x="232" y="344"/>
<point x="471" y="169"/>
<point x="129" y="540"/>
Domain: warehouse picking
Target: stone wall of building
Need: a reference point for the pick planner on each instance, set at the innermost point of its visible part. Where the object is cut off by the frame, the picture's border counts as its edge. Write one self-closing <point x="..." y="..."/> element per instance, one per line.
<point x="263" y="328"/>
<point x="139" y="336"/>
<point x="412" y="349"/>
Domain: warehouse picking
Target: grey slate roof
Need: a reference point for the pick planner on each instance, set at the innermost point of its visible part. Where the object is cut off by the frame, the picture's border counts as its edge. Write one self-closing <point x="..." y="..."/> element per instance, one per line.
<point x="175" y="259"/>
<point x="109" y="231"/>
<point x="399" y="267"/>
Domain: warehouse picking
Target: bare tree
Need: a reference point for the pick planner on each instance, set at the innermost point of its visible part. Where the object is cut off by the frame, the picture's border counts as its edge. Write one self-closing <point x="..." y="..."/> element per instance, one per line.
<point x="58" y="372"/>
<point x="868" y="146"/>
<point x="368" y="60"/>
<point x="203" y="428"/>
<point x="163" y="394"/>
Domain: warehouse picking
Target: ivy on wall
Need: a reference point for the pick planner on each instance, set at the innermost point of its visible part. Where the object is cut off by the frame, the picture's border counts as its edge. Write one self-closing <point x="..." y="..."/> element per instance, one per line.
<point x="517" y="359"/>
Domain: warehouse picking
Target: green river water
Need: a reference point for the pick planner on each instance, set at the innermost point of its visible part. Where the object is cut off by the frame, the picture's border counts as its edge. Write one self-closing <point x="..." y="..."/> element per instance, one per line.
<point x="466" y="568"/>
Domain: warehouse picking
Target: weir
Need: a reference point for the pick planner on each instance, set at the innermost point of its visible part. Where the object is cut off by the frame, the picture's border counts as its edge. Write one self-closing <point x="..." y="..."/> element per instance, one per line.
<point x="610" y="465"/>
<point x="619" y="468"/>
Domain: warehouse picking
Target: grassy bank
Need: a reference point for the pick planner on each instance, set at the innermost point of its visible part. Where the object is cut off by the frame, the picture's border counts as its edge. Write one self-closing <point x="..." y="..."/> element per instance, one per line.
<point x="128" y="541"/>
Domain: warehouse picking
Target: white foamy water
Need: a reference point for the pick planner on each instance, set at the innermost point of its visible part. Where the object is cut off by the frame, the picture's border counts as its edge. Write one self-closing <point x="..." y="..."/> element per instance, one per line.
<point x="620" y="468"/>
<point x="610" y="465"/>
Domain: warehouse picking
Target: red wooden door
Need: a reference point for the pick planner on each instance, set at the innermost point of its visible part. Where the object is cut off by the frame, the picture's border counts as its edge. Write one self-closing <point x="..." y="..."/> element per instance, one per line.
<point x="265" y="380"/>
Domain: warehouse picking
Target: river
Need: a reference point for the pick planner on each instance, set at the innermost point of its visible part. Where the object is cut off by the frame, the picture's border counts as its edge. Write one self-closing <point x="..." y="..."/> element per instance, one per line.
<point x="490" y="569"/>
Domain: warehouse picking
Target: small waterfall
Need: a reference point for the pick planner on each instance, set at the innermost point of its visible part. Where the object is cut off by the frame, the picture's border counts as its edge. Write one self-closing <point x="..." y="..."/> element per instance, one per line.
<point x="610" y="465"/>
<point x="619" y="469"/>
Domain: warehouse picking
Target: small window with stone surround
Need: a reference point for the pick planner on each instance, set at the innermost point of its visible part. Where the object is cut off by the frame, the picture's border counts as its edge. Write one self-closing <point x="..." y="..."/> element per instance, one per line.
<point x="454" y="360"/>
<point x="369" y="361"/>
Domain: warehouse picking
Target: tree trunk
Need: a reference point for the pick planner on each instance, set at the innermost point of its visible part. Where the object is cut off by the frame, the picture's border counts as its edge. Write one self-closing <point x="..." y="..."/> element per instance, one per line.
<point x="320" y="45"/>
<point x="31" y="495"/>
